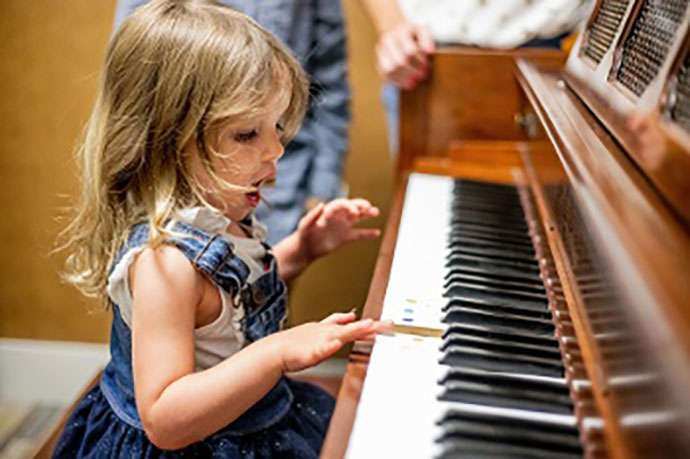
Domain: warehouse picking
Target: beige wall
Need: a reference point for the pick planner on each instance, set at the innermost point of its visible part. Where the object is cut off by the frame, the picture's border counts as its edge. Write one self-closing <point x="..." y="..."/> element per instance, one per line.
<point x="51" y="53"/>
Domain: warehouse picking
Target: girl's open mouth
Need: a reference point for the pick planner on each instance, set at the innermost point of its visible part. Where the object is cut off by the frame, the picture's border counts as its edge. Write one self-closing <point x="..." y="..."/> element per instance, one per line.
<point x="254" y="197"/>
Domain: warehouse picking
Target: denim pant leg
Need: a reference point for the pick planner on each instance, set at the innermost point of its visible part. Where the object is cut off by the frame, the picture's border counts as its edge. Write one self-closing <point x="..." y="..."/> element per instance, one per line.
<point x="281" y="221"/>
<point x="390" y="96"/>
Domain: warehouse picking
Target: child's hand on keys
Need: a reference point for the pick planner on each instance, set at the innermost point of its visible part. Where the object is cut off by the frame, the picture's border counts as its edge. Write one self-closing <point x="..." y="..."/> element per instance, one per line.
<point x="308" y="344"/>
<point x="328" y="226"/>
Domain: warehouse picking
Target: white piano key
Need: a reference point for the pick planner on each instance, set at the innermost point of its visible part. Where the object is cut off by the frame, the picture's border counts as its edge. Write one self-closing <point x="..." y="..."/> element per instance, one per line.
<point x="418" y="267"/>
<point x="400" y="393"/>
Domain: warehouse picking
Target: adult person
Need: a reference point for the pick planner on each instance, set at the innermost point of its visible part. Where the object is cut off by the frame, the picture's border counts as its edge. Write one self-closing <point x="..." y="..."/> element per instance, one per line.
<point x="311" y="169"/>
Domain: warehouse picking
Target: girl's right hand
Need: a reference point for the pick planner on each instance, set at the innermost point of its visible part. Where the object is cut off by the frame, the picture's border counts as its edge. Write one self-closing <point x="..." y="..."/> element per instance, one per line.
<point x="308" y="344"/>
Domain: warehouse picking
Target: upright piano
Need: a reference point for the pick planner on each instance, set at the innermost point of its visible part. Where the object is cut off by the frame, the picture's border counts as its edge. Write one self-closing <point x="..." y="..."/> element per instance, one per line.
<point x="536" y="260"/>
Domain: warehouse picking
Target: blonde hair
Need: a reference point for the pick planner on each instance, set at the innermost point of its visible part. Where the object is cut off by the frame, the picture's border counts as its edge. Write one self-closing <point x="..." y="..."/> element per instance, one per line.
<point x="174" y="72"/>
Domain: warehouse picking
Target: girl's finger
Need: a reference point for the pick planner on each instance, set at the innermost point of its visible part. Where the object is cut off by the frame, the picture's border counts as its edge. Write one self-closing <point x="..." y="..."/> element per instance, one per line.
<point x="313" y="215"/>
<point x="355" y="330"/>
<point x="360" y="202"/>
<point x="358" y="234"/>
<point x="380" y="327"/>
<point x="384" y="326"/>
<point x="365" y="208"/>
<point x="340" y="318"/>
<point x="353" y="209"/>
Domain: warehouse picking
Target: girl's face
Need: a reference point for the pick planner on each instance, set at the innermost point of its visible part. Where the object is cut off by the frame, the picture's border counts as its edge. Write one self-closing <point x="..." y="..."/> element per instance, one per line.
<point x="247" y="156"/>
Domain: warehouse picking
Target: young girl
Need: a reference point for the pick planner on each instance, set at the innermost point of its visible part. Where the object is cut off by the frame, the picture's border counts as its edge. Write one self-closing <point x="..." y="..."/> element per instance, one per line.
<point x="196" y="103"/>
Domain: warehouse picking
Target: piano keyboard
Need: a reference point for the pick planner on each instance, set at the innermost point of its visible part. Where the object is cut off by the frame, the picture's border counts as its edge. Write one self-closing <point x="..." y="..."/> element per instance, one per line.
<point x="476" y="370"/>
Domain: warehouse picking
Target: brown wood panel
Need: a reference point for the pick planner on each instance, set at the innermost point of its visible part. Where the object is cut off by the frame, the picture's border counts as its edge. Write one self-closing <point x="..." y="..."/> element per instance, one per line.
<point x="51" y="58"/>
<point x="647" y="249"/>
<point x="591" y="354"/>
<point x="471" y="94"/>
<point x="660" y="148"/>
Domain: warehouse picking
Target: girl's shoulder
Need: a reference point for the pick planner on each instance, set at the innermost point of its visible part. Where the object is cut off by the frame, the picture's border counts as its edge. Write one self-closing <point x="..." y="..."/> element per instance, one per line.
<point x="199" y="235"/>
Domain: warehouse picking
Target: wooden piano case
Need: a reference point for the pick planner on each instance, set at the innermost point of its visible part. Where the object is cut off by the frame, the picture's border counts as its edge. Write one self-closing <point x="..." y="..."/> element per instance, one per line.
<point x="601" y="147"/>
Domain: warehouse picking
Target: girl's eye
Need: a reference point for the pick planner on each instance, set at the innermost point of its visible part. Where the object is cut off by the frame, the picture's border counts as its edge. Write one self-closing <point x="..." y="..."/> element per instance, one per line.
<point x="246" y="136"/>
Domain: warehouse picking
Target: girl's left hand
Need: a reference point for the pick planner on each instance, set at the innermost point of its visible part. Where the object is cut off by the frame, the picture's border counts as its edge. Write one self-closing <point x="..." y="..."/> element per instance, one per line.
<point x="328" y="226"/>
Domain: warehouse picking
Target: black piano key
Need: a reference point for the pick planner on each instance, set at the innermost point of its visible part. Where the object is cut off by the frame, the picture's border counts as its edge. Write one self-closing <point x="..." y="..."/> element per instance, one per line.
<point x="496" y="282"/>
<point x="497" y="332"/>
<point x="514" y="435"/>
<point x="470" y="241"/>
<point x="460" y="205"/>
<point x="462" y="292"/>
<point x="491" y="250"/>
<point x="457" y="227"/>
<point x="543" y="389"/>
<point x="456" y="446"/>
<point x="525" y="420"/>
<point x="462" y="314"/>
<point x="481" y="186"/>
<point x="515" y="397"/>
<point x="460" y="221"/>
<point x="487" y="211"/>
<point x="524" y="263"/>
<point x="544" y="313"/>
<point x="461" y="356"/>
<point x="552" y="385"/>
<point x="486" y="194"/>
<point x="515" y="350"/>
<point x="459" y="286"/>
<point x="487" y="224"/>
<point x="508" y="346"/>
<point x="508" y="205"/>
<point x="473" y="264"/>
<point x="491" y="236"/>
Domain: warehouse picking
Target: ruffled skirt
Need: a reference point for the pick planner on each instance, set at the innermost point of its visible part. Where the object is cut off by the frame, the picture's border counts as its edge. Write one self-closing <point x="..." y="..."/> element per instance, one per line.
<point x="95" y="431"/>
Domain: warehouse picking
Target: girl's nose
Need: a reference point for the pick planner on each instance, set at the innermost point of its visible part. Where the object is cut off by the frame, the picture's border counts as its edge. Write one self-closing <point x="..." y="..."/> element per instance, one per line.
<point x="274" y="148"/>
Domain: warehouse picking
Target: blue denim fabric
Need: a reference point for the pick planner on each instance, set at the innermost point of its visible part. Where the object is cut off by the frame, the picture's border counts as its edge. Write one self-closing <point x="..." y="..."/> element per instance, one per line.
<point x="313" y="162"/>
<point x="390" y="96"/>
<point x="291" y="420"/>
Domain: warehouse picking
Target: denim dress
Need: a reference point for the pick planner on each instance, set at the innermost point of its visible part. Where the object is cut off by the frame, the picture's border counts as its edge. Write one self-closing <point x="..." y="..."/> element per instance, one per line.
<point x="289" y="421"/>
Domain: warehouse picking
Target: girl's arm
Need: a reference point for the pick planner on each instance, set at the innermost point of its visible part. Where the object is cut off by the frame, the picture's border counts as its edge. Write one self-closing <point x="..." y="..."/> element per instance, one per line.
<point x="178" y="406"/>
<point x="325" y="228"/>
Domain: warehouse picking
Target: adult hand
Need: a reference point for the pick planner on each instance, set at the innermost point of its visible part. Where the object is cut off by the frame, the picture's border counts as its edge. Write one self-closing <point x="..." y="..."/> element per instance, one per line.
<point x="402" y="54"/>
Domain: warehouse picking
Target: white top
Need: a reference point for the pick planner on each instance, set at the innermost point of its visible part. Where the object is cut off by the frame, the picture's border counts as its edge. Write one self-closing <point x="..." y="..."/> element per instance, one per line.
<point x="502" y="24"/>
<point x="223" y="337"/>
